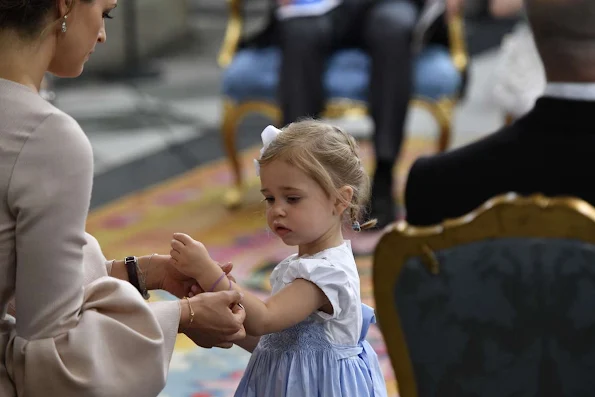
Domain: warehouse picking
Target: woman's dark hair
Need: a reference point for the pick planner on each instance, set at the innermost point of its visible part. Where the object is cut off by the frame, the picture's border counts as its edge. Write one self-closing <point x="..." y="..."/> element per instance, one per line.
<point x="27" y="17"/>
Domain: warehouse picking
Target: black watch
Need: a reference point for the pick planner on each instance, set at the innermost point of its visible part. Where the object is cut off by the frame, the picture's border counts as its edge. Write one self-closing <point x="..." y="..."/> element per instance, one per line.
<point x="135" y="275"/>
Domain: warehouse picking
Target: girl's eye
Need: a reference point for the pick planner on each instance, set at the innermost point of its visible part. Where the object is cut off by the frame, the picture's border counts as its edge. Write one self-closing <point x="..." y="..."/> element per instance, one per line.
<point x="293" y="199"/>
<point x="269" y="200"/>
<point x="106" y="15"/>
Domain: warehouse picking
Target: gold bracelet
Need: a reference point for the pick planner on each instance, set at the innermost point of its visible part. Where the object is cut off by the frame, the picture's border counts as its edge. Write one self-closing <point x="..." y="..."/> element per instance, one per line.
<point x="151" y="257"/>
<point x="191" y="311"/>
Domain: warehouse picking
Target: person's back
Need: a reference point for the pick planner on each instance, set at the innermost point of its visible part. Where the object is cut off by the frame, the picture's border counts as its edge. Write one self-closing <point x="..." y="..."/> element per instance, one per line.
<point x="547" y="151"/>
<point x="46" y="170"/>
<point x="543" y="152"/>
<point x="22" y="112"/>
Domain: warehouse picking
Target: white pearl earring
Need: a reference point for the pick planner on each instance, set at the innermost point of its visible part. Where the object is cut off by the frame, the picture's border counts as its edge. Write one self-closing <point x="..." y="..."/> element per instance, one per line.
<point x="64" y="28"/>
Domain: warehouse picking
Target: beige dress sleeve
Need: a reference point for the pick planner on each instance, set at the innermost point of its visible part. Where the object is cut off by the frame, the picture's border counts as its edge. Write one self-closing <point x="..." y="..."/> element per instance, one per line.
<point x="73" y="336"/>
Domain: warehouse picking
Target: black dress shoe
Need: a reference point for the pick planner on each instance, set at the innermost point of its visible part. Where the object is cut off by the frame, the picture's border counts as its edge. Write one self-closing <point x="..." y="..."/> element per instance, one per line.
<point x="383" y="206"/>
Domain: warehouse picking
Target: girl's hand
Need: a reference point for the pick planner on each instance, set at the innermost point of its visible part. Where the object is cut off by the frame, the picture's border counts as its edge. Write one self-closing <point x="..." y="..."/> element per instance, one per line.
<point x="227" y="268"/>
<point x="190" y="257"/>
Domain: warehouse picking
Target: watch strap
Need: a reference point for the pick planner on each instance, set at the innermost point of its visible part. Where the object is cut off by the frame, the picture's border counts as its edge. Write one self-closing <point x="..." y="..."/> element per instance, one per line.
<point x="135" y="276"/>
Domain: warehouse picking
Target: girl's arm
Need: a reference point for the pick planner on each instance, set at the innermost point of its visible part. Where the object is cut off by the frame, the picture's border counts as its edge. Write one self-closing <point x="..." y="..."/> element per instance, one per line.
<point x="290" y="306"/>
<point x="286" y="308"/>
<point x="249" y="343"/>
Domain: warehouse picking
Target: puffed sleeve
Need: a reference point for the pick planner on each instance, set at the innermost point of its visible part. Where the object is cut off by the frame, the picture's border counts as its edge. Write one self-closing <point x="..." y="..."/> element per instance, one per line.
<point x="332" y="279"/>
<point x="72" y="338"/>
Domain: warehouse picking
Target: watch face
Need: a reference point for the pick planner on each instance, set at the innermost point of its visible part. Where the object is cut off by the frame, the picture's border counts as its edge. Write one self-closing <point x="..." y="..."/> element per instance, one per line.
<point x="129" y="259"/>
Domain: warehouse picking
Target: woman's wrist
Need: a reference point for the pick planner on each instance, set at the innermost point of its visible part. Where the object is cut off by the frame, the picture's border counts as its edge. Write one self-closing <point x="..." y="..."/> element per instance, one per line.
<point x="187" y="315"/>
<point x="119" y="270"/>
<point x="150" y="271"/>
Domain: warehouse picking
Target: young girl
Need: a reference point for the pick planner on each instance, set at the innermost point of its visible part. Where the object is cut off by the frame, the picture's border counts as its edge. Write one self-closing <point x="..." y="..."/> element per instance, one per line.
<point x="314" y="325"/>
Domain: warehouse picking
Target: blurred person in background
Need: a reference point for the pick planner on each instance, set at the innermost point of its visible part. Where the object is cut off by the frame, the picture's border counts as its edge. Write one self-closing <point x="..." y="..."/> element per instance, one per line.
<point x="79" y="326"/>
<point x="308" y="31"/>
<point x="548" y="150"/>
<point x="519" y="74"/>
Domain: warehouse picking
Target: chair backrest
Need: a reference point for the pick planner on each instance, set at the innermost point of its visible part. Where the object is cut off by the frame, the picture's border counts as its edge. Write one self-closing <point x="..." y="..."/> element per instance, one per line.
<point x="500" y="302"/>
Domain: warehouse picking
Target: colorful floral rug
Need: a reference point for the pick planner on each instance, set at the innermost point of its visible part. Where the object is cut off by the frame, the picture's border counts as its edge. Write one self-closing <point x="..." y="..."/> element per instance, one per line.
<point x="144" y="222"/>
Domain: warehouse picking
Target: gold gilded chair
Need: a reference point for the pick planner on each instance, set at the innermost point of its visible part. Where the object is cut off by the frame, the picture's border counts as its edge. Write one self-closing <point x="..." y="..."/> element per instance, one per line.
<point x="250" y="82"/>
<point x="496" y="303"/>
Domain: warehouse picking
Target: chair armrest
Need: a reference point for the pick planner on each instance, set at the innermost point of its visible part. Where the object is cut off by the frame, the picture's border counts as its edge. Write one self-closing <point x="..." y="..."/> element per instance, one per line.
<point x="233" y="33"/>
<point x="457" y="42"/>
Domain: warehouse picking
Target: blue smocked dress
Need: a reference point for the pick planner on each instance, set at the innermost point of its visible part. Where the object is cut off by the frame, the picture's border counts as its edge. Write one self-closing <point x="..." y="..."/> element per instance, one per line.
<point x="311" y="358"/>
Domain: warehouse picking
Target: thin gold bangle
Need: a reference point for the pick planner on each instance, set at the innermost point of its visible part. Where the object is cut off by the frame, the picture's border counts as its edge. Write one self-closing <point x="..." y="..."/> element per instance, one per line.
<point x="144" y="276"/>
<point x="151" y="257"/>
<point x="191" y="311"/>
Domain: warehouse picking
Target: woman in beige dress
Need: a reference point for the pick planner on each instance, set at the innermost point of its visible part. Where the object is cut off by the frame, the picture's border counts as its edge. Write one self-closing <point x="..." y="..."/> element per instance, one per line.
<point x="79" y="325"/>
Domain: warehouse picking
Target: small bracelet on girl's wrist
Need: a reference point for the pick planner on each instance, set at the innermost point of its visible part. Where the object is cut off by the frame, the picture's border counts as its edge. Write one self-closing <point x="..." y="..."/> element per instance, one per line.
<point x="216" y="282"/>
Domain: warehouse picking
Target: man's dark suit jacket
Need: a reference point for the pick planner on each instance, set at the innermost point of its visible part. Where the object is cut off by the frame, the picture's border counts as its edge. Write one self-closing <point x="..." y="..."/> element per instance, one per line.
<point x="551" y="151"/>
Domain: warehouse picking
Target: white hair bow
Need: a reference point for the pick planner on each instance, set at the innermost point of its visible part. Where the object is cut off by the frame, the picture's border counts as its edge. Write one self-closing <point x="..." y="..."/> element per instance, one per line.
<point x="268" y="136"/>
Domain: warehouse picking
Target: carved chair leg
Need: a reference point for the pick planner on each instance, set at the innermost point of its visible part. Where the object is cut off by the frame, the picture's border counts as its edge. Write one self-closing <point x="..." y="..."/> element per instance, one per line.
<point x="233" y="114"/>
<point x="233" y="197"/>
<point x="444" y="115"/>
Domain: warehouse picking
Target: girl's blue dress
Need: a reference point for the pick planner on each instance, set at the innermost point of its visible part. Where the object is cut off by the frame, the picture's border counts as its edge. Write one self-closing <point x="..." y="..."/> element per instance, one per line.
<point x="302" y="361"/>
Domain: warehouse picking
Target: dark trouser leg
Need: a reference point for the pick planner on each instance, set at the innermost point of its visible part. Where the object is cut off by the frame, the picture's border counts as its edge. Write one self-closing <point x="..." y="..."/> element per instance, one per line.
<point x="387" y="36"/>
<point x="305" y="45"/>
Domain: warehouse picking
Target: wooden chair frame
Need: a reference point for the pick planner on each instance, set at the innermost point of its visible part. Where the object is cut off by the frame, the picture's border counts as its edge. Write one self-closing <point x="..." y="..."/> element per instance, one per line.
<point x="506" y="216"/>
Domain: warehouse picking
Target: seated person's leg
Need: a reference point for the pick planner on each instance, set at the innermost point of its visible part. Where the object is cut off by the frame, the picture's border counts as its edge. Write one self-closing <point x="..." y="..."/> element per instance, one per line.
<point x="387" y="37"/>
<point x="305" y="44"/>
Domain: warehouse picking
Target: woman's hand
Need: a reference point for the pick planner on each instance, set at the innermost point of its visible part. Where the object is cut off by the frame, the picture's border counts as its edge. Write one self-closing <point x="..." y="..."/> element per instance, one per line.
<point x="174" y="282"/>
<point x="162" y="275"/>
<point x="207" y="341"/>
<point x="159" y="274"/>
<point x="217" y="315"/>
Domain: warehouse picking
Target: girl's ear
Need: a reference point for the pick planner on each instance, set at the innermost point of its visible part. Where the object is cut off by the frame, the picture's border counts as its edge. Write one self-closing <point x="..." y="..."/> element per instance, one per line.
<point x="345" y="197"/>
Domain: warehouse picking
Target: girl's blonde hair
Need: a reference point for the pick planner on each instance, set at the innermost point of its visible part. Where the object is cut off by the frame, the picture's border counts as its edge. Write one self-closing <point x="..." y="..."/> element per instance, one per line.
<point x="329" y="156"/>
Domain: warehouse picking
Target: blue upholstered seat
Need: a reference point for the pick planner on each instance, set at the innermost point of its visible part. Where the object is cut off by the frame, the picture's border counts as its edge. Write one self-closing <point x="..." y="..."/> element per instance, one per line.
<point x="254" y="75"/>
